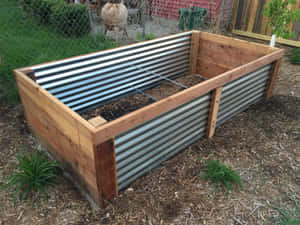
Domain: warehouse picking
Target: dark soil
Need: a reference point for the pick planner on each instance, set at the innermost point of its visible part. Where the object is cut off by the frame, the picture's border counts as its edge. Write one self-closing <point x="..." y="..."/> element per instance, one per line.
<point x="262" y="143"/>
<point x="131" y="103"/>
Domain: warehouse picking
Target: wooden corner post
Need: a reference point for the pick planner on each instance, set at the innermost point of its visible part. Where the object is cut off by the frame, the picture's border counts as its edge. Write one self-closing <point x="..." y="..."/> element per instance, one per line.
<point x="213" y="113"/>
<point x="105" y="166"/>
<point x="273" y="76"/>
<point x="194" y="51"/>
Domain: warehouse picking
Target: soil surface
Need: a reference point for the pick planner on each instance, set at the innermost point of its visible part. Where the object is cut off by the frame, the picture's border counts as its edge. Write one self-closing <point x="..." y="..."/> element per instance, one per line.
<point x="262" y="143"/>
<point x="131" y="103"/>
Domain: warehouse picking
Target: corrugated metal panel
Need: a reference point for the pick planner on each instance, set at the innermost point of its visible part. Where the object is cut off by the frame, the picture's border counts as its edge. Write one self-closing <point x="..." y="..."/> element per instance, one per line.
<point x="84" y="82"/>
<point x="239" y="94"/>
<point x="149" y="144"/>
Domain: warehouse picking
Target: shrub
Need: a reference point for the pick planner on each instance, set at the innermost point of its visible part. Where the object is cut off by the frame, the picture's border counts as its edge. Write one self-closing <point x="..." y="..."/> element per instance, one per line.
<point x="34" y="173"/>
<point x="26" y="4"/>
<point x="70" y="19"/>
<point x="221" y="174"/>
<point x="42" y="9"/>
<point x="295" y="57"/>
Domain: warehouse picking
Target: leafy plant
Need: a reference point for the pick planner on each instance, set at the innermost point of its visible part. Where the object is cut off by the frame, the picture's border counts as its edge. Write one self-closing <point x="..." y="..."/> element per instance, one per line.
<point x="221" y="174"/>
<point x="150" y="36"/>
<point x="281" y="15"/>
<point x="34" y="173"/>
<point x="295" y="56"/>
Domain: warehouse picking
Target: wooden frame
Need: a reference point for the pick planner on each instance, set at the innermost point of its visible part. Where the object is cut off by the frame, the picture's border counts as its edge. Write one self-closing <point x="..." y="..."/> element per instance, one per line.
<point x="86" y="148"/>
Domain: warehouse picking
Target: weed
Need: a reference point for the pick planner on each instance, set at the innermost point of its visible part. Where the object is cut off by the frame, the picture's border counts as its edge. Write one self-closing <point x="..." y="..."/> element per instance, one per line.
<point x="150" y="36"/>
<point x="295" y="56"/>
<point x="289" y="216"/>
<point x="34" y="173"/>
<point x="221" y="174"/>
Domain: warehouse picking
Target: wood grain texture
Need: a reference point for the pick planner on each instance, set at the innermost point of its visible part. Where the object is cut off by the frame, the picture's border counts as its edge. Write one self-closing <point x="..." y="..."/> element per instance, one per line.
<point x="63" y="133"/>
<point x="194" y="51"/>
<point x="218" y="54"/>
<point x="213" y="113"/>
<point x="273" y="77"/>
<point x="115" y="127"/>
<point x="253" y="10"/>
<point x="234" y="14"/>
<point x="97" y="121"/>
<point x="105" y="164"/>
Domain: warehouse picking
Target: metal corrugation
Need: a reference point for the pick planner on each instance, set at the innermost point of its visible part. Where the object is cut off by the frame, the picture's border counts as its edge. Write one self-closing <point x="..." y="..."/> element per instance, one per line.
<point x="239" y="94"/>
<point x="84" y="82"/>
<point x="149" y="144"/>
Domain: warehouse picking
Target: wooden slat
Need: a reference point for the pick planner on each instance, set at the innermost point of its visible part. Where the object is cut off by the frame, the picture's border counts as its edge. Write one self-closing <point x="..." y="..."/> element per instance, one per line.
<point x="273" y="76"/>
<point x="239" y="18"/>
<point x="246" y="15"/>
<point x="194" y="51"/>
<point x="115" y="127"/>
<point x="263" y="29"/>
<point x="214" y="109"/>
<point x="259" y="16"/>
<point x="218" y="54"/>
<point x="267" y="38"/>
<point x="253" y="11"/>
<point x="105" y="164"/>
<point x="234" y="14"/>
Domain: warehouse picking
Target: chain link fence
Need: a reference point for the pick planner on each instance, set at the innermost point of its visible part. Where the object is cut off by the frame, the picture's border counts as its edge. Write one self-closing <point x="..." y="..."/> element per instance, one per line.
<point x="37" y="31"/>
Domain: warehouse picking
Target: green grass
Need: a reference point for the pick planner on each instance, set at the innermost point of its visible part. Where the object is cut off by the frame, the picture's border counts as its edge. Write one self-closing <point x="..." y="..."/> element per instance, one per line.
<point x="295" y="56"/>
<point x="34" y="173"/>
<point x="288" y="216"/>
<point x="150" y="36"/>
<point x="221" y="175"/>
<point x="23" y="42"/>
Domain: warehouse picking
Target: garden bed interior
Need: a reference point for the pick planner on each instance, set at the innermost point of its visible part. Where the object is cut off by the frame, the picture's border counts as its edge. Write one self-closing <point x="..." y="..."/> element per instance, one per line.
<point x="112" y="116"/>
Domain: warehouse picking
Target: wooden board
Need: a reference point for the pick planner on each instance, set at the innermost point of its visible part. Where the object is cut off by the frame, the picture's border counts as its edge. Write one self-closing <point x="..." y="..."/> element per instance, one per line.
<point x="194" y="51"/>
<point x="213" y="113"/>
<point x="267" y="38"/>
<point x="67" y="134"/>
<point x="218" y="54"/>
<point x="273" y="76"/>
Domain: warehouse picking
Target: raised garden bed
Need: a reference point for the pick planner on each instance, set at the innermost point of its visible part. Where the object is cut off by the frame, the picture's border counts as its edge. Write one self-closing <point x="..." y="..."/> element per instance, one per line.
<point x="112" y="116"/>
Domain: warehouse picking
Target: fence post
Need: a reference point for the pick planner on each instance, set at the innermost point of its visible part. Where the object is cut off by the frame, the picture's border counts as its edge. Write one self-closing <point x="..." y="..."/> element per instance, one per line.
<point x="143" y="19"/>
<point x="194" y="51"/>
<point x="214" y="110"/>
<point x="105" y="166"/>
<point x="273" y="76"/>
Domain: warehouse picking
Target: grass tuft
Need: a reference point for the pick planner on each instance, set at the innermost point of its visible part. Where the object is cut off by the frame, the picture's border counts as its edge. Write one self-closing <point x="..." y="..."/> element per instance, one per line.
<point x="221" y="174"/>
<point x="149" y="36"/>
<point x="34" y="173"/>
<point x="289" y="216"/>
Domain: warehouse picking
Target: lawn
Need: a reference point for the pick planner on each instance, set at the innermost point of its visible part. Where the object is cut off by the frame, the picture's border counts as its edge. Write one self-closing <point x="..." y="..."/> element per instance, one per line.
<point x="23" y="42"/>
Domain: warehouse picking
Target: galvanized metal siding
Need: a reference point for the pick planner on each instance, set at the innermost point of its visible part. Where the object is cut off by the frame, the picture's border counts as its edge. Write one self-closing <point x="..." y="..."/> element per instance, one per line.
<point x="84" y="82"/>
<point x="239" y="94"/>
<point x="149" y="144"/>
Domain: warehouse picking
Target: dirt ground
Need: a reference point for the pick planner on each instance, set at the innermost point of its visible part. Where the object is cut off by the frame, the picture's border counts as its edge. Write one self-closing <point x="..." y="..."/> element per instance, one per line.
<point x="263" y="144"/>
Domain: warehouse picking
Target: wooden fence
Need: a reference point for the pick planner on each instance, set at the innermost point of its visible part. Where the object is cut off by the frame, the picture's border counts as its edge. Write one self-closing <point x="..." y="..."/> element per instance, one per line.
<point x="248" y="20"/>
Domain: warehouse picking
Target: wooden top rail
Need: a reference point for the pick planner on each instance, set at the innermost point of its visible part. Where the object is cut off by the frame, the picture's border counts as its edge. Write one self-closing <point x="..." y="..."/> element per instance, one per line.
<point x="113" y="128"/>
